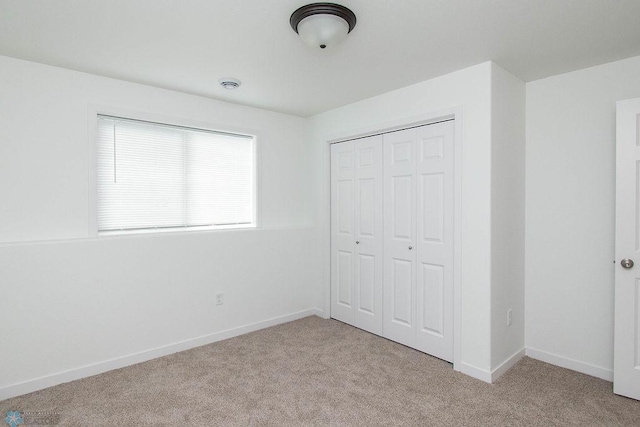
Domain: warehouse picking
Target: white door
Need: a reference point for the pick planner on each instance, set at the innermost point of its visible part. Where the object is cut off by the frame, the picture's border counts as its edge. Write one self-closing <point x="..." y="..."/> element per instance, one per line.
<point x="368" y="234"/>
<point x="418" y="245"/>
<point x="356" y="233"/>
<point x="434" y="240"/>
<point x="626" y="372"/>
<point x="342" y="232"/>
<point x="399" y="237"/>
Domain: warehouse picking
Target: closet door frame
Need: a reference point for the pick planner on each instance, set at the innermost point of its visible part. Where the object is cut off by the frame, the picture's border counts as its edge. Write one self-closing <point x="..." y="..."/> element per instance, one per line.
<point x="384" y="127"/>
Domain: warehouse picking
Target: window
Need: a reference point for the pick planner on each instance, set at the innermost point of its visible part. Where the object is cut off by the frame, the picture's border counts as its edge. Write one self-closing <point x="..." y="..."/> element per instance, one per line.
<point x="156" y="176"/>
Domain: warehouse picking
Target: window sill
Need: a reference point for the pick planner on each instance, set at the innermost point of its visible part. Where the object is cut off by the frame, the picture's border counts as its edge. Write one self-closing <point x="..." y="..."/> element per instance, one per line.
<point x="174" y="230"/>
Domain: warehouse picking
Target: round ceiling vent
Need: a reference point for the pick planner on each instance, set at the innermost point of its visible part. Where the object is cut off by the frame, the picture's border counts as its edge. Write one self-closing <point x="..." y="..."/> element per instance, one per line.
<point x="229" y="83"/>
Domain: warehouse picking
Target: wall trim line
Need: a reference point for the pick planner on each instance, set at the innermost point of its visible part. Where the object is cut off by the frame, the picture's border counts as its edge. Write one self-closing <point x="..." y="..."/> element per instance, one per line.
<point x="507" y="364"/>
<point x="472" y="371"/>
<point x="568" y="363"/>
<point x="47" y="381"/>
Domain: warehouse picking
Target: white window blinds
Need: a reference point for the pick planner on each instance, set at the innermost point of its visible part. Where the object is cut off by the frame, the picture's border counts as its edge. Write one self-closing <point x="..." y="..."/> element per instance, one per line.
<point x="153" y="176"/>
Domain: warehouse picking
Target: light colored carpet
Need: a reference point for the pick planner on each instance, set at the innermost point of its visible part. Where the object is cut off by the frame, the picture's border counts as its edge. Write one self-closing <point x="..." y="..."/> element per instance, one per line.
<point x="322" y="372"/>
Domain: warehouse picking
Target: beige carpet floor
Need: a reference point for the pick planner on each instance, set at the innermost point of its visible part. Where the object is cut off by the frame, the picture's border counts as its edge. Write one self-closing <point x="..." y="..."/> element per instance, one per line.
<point x="323" y="372"/>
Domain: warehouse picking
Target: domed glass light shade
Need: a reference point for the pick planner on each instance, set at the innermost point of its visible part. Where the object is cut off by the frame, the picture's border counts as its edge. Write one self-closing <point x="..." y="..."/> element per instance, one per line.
<point x="322" y="25"/>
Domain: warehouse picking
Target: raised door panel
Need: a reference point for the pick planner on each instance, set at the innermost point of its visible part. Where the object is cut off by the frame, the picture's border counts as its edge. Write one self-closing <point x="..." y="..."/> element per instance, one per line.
<point x="399" y="231"/>
<point x="368" y="233"/>
<point x="401" y="285"/>
<point x="431" y="300"/>
<point x="366" y="206"/>
<point x="401" y="195"/>
<point x="344" y="211"/>
<point x="344" y="283"/>
<point x="434" y="243"/>
<point x="432" y="207"/>
<point x="343" y="257"/>
<point x="366" y="284"/>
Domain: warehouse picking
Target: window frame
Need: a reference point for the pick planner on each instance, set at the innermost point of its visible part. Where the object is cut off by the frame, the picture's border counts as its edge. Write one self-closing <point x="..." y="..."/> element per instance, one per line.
<point x="92" y="137"/>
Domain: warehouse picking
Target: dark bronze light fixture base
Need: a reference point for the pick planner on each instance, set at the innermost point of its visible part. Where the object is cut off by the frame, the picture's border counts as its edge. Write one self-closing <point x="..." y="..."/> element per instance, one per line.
<point x="322" y="9"/>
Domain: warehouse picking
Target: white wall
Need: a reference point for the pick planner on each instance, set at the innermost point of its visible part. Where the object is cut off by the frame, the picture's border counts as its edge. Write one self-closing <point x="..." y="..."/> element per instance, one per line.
<point x="44" y="147"/>
<point x="77" y="301"/>
<point x="69" y="301"/>
<point x="570" y="194"/>
<point x="469" y="89"/>
<point x="507" y="214"/>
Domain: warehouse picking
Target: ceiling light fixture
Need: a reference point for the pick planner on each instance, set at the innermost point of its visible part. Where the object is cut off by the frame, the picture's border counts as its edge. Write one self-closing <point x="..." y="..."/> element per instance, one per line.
<point x="229" y="83"/>
<point x="322" y="24"/>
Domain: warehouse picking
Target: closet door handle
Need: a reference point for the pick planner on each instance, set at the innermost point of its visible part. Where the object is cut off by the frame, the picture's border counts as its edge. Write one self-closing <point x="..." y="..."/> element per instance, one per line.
<point x="357" y="242"/>
<point x="410" y="247"/>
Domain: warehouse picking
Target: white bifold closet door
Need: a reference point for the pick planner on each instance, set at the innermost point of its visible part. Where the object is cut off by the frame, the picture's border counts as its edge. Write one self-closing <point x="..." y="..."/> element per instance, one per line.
<point x="418" y="238"/>
<point x="357" y="233"/>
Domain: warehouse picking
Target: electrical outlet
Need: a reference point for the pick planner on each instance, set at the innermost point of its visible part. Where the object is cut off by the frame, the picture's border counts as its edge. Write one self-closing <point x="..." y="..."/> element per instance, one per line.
<point x="509" y="317"/>
<point x="219" y="298"/>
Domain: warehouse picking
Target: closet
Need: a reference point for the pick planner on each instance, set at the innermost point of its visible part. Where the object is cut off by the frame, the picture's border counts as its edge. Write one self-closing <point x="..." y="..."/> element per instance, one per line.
<point x="392" y="199"/>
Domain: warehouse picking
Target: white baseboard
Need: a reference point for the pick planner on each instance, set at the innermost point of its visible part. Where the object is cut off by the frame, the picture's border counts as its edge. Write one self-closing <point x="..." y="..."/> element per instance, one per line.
<point x="472" y="371"/>
<point x="575" y="365"/>
<point x="321" y="313"/>
<point x="120" y="362"/>
<point x="486" y="376"/>
<point x="507" y="364"/>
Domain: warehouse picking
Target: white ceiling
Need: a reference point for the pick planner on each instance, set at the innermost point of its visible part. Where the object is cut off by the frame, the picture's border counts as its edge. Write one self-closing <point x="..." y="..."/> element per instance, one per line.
<point x="187" y="45"/>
